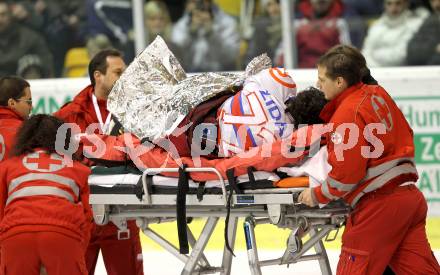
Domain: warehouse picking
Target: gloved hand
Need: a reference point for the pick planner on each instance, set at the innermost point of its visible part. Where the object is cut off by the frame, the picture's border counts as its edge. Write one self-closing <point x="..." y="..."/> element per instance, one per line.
<point x="306" y="197"/>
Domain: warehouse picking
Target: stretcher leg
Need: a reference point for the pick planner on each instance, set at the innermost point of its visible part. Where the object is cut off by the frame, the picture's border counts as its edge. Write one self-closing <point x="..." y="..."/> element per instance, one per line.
<point x="315" y="236"/>
<point x="197" y="250"/>
<point x="165" y="244"/>
<point x="227" y="255"/>
<point x="251" y="246"/>
<point x="192" y="241"/>
<point x="324" y="263"/>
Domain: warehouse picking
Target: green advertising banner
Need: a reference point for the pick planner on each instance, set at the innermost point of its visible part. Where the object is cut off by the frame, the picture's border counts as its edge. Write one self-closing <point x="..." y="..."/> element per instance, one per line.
<point x="50" y="94"/>
<point x="423" y="114"/>
<point x="49" y="104"/>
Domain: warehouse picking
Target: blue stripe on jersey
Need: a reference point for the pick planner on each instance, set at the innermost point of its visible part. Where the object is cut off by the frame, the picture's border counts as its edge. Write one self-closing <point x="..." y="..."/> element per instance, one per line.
<point x="235" y="126"/>
<point x="251" y="136"/>
<point x="249" y="132"/>
<point x="241" y="104"/>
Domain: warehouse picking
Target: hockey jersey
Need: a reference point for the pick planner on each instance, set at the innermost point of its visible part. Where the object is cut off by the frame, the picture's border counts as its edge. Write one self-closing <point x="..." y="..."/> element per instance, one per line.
<point x="256" y="114"/>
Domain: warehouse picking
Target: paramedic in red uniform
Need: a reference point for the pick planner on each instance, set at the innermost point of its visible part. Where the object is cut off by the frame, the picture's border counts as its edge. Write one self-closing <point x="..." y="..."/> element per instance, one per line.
<point x="121" y="256"/>
<point x="374" y="172"/>
<point x="15" y="107"/>
<point x="44" y="205"/>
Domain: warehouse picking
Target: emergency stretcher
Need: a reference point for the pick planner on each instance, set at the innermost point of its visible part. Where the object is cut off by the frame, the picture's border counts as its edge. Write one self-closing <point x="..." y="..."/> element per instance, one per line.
<point x="149" y="198"/>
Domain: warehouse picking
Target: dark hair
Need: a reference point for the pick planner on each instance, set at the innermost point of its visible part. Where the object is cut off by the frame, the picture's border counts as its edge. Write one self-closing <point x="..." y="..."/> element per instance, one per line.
<point x="11" y="87"/>
<point x="306" y="107"/>
<point x="366" y="76"/>
<point x="339" y="63"/>
<point x="39" y="131"/>
<point x="99" y="62"/>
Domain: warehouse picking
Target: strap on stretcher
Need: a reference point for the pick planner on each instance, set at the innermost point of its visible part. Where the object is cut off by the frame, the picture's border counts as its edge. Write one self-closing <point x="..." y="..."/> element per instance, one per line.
<point x="233" y="187"/>
<point x="201" y="190"/>
<point x="182" y="190"/>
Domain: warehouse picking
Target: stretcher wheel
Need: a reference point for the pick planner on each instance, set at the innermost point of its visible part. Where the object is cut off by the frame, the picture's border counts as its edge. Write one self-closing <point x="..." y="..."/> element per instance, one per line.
<point x="294" y="245"/>
<point x="294" y="242"/>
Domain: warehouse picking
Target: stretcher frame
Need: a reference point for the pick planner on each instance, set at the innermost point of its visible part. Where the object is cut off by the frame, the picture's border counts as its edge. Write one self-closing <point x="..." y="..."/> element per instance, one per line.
<point x="277" y="206"/>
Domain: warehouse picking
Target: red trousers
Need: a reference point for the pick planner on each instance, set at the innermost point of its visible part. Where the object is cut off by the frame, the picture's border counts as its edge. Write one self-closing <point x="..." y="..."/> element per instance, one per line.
<point x="121" y="257"/>
<point x="387" y="227"/>
<point x="25" y="253"/>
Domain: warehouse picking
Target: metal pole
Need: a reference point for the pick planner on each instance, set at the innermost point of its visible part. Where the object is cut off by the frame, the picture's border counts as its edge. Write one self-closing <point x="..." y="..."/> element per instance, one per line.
<point x="227" y="255"/>
<point x="324" y="263"/>
<point x="289" y="37"/>
<point x="140" y="40"/>
<point x="197" y="250"/>
<point x="251" y="246"/>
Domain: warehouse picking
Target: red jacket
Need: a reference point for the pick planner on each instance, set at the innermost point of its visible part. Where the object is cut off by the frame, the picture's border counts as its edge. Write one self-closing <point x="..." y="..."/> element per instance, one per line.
<point x="10" y="122"/>
<point x="314" y="37"/>
<point x="357" y="170"/>
<point x="267" y="157"/>
<point x="81" y="110"/>
<point x="335" y="11"/>
<point x="40" y="192"/>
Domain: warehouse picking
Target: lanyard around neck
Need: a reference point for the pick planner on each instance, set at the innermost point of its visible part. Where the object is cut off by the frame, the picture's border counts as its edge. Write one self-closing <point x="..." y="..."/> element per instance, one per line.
<point x="102" y="125"/>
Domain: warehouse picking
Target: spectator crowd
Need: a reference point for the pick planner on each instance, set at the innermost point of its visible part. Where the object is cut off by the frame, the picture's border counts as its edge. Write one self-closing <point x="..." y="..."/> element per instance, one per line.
<point x="55" y="38"/>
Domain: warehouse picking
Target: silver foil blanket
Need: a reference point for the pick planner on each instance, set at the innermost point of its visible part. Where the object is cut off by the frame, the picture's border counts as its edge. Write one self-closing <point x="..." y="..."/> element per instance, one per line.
<point x="154" y="94"/>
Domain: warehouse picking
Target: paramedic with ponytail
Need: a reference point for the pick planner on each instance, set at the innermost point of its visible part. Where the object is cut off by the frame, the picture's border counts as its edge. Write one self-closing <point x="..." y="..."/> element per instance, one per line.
<point x="15" y="107"/>
<point x="122" y="253"/>
<point x="371" y="152"/>
<point x="44" y="205"/>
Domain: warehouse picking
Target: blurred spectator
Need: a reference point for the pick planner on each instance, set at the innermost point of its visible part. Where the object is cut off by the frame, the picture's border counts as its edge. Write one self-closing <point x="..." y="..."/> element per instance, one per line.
<point x="158" y="22"/>
<point x="97" y="43"/>
<point x="208" y="37"/>
<point x="320" y="30"/>
<point x="323" y="8"/>
<point x="62" y="22"/>
<point x="387" y="39"/>
<point x="65" y="29"/>
<point x="29" y="13"/>
<point x="17" y="42"/>
<point x="357" y="27"/>
<point x="266" y="32"/>
<point x="424" y="47"/>
<point x="30" y="67"/>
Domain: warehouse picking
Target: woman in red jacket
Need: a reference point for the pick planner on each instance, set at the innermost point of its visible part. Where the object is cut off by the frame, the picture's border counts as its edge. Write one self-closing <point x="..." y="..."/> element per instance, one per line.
<point x="15" y="106"/>
<point x="44" y="204"/>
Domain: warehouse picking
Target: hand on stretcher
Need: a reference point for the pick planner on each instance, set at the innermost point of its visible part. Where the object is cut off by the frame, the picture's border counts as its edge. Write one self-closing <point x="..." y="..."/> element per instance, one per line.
<point x="306" y="198"/>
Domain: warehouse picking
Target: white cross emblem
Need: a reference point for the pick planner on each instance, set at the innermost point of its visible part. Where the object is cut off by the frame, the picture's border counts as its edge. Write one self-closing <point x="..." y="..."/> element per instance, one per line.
<point x="33" y="162"/>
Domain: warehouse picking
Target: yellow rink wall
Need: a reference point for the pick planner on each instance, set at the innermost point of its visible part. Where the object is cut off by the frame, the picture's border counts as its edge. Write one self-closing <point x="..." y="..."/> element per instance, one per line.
<point x="269" y="237"/>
